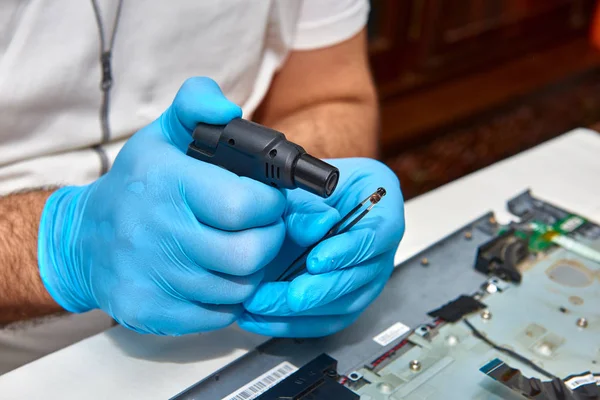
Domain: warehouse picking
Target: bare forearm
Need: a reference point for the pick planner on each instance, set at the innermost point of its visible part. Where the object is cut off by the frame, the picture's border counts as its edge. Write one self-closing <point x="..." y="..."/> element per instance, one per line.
<point x="22" y="293"/>
<point x="325" y="100"/>
<point x="335" y="129"/>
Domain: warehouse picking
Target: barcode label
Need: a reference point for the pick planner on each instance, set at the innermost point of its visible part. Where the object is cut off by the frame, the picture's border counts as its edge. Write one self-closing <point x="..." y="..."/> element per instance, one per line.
<point x="577" y="381"/>
<point x="392" y="333"/>
<point x="263" y="382"/>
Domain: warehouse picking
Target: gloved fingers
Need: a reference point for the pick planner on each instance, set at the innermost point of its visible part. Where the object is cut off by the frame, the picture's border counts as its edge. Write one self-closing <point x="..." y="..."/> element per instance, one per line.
<point x="360" y="244"/>
<point x="295" y="327"/>
<point x="357" y="301"/>
<point x="360" y="177"/>
<point x="270" y="299"/>
<point x="307" y="217"/>
<point x="178" y="317"/>
<point x="378" y="232"/>
<point x="196" y="284"/>
<point x="234" y="253"/>
<point x="273" y="300"/>
<point x="225" y="201"/>
<point x="310" y="291"/>
<point x="198" y="100"/>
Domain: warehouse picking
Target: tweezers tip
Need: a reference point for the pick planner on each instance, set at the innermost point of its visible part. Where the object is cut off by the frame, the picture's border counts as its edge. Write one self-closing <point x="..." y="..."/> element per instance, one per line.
<point x="376" y="197"/>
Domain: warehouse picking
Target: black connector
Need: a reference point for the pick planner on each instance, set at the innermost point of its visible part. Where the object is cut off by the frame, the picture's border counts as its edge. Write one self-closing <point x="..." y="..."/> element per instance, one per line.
<point x="316" y="380"/>
<point x="501" y="256"/>
<point x="263" y="154"/>
<point x="456" y="309"/>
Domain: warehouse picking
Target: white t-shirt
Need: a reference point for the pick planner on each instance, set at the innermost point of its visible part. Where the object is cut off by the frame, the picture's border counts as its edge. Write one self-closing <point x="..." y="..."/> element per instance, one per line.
<point x="50" y="96"/>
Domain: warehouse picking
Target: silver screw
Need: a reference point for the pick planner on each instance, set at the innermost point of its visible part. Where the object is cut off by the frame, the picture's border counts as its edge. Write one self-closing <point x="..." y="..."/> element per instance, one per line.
<point x="490" y="288"/>
<point x="415" y="365"/>
<point x="354" y="376"/>
<point x="582" y="322"/>
<point x="486" y="314"/>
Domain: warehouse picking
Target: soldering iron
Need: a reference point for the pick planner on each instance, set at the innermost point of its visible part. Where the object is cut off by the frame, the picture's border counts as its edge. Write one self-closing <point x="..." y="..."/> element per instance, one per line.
<point x="255" y="151"/>
<point x="263" y="154"/>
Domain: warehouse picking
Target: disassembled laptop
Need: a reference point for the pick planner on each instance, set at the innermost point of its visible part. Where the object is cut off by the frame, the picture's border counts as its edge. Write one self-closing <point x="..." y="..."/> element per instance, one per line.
<point x="529" y="328"/>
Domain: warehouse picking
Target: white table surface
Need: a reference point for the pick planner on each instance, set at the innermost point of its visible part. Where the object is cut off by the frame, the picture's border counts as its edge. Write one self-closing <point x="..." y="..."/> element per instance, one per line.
<point x="122" y="364"/>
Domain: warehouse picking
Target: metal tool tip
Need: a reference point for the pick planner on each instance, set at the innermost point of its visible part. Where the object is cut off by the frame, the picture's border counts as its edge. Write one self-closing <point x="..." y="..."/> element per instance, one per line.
<point x="375" y="197"/>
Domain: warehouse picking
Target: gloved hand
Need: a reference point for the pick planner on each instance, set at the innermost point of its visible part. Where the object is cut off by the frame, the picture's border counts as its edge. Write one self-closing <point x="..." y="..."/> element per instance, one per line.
<point x="163" y="243"/>
<point x="345" y="273"/>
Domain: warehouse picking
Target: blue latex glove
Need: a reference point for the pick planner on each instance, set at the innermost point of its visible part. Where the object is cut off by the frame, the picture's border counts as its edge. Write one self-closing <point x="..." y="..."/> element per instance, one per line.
<point x="345" y="273"/>
<point x="163" y="243"/>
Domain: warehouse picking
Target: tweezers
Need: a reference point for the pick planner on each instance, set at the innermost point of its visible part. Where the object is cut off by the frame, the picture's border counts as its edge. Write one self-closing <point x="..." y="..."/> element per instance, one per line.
<point x="298" y="266"/>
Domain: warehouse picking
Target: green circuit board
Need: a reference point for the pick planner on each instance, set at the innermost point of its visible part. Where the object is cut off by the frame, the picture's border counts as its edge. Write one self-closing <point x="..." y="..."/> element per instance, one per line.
<point x="539" y="235"/>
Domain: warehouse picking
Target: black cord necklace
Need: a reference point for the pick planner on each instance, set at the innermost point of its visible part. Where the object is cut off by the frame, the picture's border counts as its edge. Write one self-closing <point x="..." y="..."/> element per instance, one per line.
<point x="107" y="79"/>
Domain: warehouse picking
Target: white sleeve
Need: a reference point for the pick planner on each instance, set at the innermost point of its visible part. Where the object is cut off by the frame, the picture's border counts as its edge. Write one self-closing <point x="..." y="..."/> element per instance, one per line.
<point x="324" y="23"/>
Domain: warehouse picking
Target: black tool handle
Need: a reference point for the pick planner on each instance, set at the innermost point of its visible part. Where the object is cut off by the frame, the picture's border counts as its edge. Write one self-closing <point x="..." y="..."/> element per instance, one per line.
<point x="263" y="154"/>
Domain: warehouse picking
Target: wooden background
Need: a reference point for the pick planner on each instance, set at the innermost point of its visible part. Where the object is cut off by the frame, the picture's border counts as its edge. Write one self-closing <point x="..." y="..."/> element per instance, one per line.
<point x="466" y="83"/>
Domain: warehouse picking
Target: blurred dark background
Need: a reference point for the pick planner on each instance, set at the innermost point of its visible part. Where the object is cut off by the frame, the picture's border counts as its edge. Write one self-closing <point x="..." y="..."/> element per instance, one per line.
<point x="466" y="83"/>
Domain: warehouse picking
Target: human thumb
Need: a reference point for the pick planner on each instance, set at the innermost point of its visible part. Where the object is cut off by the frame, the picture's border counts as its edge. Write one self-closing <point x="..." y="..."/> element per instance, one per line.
<point x="198" y="100"/>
